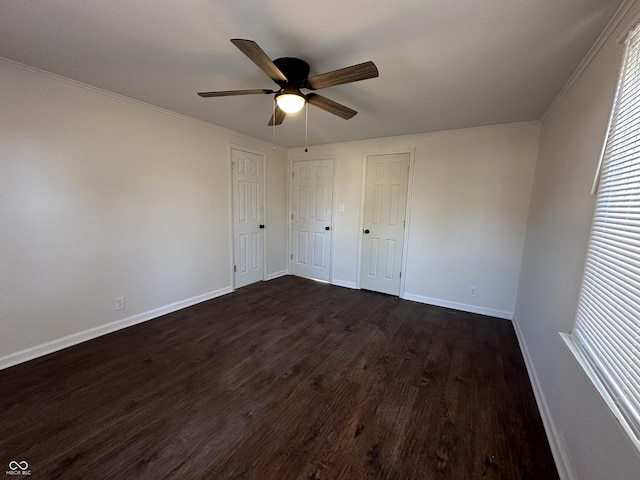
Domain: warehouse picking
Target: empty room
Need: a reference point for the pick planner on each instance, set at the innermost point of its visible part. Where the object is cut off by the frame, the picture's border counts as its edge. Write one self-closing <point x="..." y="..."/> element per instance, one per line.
<point x="345" y="240"/>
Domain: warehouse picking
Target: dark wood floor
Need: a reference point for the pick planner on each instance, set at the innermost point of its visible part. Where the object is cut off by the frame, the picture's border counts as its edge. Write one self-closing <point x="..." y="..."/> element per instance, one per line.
<point x="287" y="379"/>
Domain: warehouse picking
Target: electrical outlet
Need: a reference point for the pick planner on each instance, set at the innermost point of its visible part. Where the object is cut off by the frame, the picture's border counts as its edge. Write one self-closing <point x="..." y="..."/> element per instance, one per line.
<point x="119" y="303"/>
<point x="473" y="291"/>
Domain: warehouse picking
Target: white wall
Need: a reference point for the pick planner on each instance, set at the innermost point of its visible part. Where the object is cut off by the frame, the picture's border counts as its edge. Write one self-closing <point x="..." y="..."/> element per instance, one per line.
<point x="276" y="213"/>
<point x="102" y="197"/>
<point x="587" y="437"/>
<point x="469" y="209"/>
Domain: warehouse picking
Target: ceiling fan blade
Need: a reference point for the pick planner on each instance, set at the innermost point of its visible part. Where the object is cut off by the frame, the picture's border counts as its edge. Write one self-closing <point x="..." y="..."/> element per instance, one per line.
<point x="330" y="106"/>
<point x="279" y="116"/>
<point x="231" y="93"/>
<point x="252" y="50"/>
<point x="354" y="73"/>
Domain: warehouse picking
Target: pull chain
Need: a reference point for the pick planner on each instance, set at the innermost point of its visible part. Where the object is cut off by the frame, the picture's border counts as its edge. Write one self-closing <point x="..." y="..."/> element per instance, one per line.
<point x="273" y="121"/>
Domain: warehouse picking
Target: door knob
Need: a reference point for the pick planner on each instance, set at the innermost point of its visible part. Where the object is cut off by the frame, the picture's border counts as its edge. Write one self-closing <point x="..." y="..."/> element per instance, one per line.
<point x="366" y="231"/>
<point x="261" y="226"/>
<point x="327" y="228"/>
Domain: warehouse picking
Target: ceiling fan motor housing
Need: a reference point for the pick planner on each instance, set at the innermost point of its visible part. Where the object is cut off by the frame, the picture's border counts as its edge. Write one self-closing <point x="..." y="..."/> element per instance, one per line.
<point x="296" y="71"/>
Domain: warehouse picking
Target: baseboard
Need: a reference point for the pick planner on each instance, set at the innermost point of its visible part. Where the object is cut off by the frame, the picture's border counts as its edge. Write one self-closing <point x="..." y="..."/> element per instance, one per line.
<point x="279" y="274"/>
<point x="79" y="337"/>
<point x="491" y="312"/>
<point x="343" y="283"/>
<point x="556" y="442"/>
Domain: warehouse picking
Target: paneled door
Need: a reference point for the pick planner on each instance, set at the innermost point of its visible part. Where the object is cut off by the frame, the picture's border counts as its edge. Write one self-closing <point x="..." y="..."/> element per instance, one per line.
<point x="311" y="201"/>
<point x="387" y="180"/>
<point x="248" y="217"/>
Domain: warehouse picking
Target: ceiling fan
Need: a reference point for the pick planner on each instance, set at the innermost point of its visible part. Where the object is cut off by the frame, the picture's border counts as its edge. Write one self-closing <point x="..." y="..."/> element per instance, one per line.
<point x="292" y="75"/>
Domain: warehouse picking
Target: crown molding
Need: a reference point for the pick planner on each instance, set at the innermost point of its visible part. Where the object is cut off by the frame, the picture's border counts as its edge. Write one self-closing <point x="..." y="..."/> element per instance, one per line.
<point x="623" y="9"/>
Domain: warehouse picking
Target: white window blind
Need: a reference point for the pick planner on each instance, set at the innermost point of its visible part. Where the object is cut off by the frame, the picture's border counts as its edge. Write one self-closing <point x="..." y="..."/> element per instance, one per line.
<point x="607" y="327"/>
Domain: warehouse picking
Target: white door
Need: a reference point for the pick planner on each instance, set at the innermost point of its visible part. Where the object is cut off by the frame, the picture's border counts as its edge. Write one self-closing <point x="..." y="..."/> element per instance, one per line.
<point x="248" y="224"/>
<point x="384" y="222"/>
<point x="311" y="199"/>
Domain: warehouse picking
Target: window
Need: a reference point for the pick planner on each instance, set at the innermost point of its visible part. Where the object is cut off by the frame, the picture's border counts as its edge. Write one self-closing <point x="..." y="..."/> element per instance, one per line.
<point x="607" y="328"/>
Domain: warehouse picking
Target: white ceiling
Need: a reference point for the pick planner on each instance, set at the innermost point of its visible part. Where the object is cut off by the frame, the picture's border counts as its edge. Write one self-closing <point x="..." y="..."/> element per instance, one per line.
<point x="443" y="64"/>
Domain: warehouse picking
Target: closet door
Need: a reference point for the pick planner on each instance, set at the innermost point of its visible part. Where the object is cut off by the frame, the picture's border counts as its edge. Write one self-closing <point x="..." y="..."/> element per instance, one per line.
<point x="311" y="203"/>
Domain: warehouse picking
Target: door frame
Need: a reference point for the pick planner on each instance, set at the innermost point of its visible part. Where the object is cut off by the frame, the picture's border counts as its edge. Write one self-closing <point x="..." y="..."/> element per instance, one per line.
<point x="232" y="256"/>
<point x="399" y="151"/>
<point x="290" y="209"/>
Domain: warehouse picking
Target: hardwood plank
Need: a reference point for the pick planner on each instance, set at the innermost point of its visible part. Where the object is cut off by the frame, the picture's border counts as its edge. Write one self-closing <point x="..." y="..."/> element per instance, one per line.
<point x="287" y="379"/>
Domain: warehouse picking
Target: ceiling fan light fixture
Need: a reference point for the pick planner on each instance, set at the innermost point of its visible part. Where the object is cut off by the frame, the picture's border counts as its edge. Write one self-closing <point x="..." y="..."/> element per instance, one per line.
<point x="290" y="102"/>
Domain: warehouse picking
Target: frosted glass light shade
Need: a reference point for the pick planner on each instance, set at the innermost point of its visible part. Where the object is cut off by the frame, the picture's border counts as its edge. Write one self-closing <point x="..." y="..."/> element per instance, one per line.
<point x="290" y="102"/>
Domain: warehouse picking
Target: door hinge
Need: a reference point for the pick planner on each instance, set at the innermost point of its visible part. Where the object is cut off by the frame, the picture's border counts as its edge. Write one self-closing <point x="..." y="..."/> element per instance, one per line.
<point x="293" y="174"/>
<point x="233" y="165"/>
<point x="235" y="269"/>
<point x="292" y="216"/>
<point x="404" y="224"/>
<point x="400" y="274"/>
<point x="292" y="256"/>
